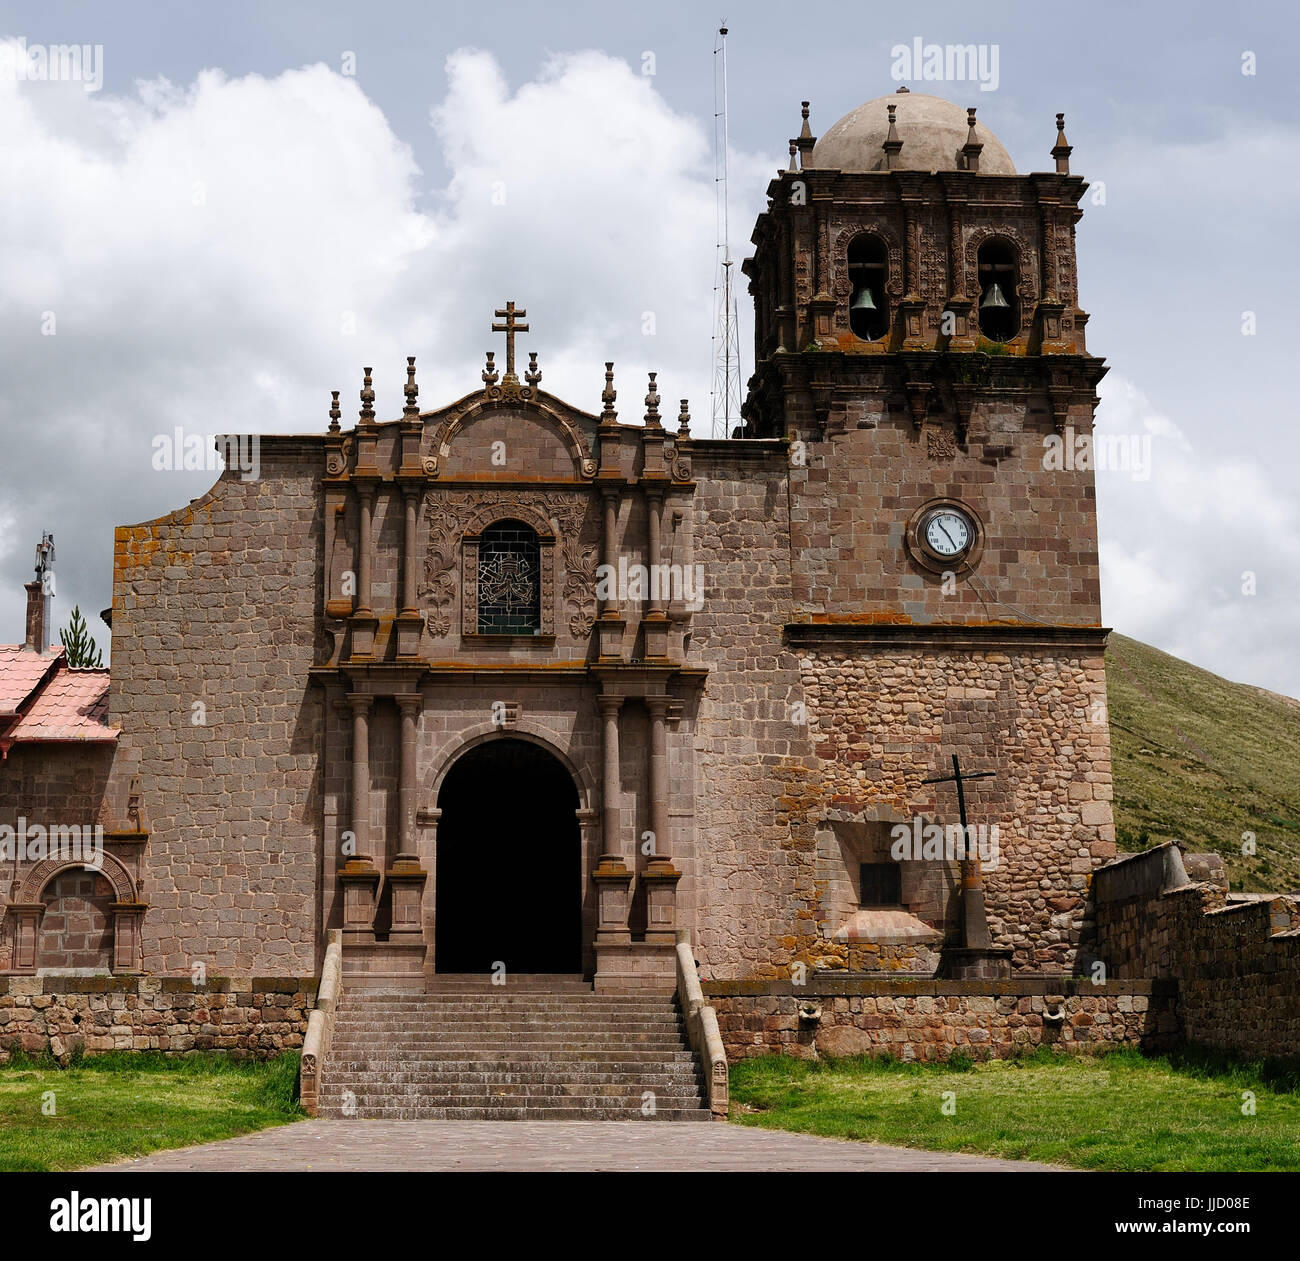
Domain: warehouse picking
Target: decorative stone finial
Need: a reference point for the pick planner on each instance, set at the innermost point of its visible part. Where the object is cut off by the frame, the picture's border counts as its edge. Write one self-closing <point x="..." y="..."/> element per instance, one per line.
<point x="684" y="420"/>
<point x="367" y="398"/>
<point x="972" y="148"/>
<point x="412" y="391"/>
<point x="891" y="144"/>
<point x="1062" y="149"/>
<point x="489" y="373"/>
<point x="532" y="374"/>
<point x="794" y="147"/>
<point x="335" y="414"/>
<point x="804" y="144"/>
<point x="652" y="404"/>
<point x="607" y="396"/>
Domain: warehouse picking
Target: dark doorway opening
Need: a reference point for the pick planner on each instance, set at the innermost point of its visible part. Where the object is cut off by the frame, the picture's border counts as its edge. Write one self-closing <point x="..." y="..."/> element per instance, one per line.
<point x="509" y="865"/>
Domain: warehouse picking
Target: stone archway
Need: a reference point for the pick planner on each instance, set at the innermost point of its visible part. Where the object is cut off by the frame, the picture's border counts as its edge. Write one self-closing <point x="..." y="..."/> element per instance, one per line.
<point x="126" y="911"/>
<point x="508" y="869"/>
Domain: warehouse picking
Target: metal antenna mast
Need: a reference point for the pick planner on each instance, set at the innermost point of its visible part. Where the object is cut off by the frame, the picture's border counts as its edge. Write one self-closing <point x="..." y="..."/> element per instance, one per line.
<point x="726" y="329"/>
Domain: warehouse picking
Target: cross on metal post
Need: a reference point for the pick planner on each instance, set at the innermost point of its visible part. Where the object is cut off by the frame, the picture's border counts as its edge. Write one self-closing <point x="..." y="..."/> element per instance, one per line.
<point x="510" y="327"/>
<point x="975" y="929"/>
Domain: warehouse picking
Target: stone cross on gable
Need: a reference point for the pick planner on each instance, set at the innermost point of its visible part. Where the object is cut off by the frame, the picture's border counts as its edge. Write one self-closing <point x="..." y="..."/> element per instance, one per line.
<point x="510" y="327"/>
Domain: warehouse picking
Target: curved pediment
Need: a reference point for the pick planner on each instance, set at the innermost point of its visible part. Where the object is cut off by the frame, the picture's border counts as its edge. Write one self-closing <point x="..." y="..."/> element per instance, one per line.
<point x="509" y="439"/>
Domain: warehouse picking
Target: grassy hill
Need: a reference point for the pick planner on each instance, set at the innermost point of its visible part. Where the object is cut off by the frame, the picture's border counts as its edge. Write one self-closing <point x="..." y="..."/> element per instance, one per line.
<point x="1200" y="760"/>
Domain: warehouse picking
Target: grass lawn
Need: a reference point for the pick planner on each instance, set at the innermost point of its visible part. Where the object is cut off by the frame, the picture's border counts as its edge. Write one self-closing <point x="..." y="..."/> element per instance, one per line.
<point x="1117" y="1112"/>
<point x="127" y="1104"/>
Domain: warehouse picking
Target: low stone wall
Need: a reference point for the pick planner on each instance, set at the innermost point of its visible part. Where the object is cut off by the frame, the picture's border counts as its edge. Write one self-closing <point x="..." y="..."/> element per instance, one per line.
<point x="1236" y="965"/>
<point x="258" y="1017"/>
<point x="928" y="1020"/>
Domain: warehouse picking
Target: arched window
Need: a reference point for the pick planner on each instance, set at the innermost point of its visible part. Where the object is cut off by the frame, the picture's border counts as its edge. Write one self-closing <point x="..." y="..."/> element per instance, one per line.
<point x="509" y="580"/>
<point x="868" y="271"/>
<point x="999" y="307"/>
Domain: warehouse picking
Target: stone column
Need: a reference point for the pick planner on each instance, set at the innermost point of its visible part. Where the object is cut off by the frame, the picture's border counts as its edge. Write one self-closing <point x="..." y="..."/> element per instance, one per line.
<point x="660" y="876"/>
<point x="364" y="622"/>
<point x="361" y="705"/>
<point x="411" y="503"/>
<point x="657" y="778"/>
<point x="365" y="510"/>
<point x="409" y="623"/>
<point x="613" y="877"/>
<point x="609" y="549"/>
<point x="359" y="876"/>
<point x="655" y="625"/>
<point x="611" y="785"/>
<point x="410" y="704"/>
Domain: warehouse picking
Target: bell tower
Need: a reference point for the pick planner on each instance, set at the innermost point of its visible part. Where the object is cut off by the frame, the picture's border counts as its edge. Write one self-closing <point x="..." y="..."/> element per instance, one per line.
<point x="919" y="341"/>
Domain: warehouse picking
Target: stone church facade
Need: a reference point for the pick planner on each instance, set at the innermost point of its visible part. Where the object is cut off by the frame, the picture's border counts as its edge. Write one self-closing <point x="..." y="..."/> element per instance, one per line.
<point x="407" y="682"/>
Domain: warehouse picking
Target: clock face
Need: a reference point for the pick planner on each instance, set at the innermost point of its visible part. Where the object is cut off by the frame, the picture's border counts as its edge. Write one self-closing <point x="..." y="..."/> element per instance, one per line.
<point x="948" y="533"/>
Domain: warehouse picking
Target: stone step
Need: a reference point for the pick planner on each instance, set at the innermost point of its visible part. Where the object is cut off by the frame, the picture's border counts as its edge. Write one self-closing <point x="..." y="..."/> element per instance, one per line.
<point x="528" y="1113"/>
<point x="449" y="1049"/>
<point x="507" y="1006"/>
<point x="385" y="1054"/>
<point x="502" y="1030"/>
<point x="561" y="1076"/>
<point x="538" y="982"/>
<point x="541" y="1101"/>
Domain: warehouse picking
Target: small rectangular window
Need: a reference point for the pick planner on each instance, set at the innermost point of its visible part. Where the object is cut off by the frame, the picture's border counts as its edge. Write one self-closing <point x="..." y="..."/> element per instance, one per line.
<point x="881" y="885"/>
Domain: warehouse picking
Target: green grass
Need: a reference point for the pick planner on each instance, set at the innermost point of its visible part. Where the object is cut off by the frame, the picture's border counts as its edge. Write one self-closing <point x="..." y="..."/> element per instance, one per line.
<point x="1199" y="760"/>
<point x="1117" y="1112"/>
<point x="129" y="1103"/>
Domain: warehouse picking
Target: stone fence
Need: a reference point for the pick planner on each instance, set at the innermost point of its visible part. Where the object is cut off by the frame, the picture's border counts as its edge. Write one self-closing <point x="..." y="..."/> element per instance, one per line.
<point x="1235" y="964"/>
<point x="930" y="1019"/>
<point x="257" y="1017"/>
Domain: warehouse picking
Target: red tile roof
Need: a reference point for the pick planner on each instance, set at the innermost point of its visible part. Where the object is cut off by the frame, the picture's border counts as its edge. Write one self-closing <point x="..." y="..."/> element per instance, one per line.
<point x="41" y="698"/>
<point x="21" y="670"/>
<point x="73" y="705"/>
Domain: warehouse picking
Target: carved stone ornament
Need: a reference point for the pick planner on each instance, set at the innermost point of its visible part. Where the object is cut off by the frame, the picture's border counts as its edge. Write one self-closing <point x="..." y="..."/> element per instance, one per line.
<point x="558" y="518"/>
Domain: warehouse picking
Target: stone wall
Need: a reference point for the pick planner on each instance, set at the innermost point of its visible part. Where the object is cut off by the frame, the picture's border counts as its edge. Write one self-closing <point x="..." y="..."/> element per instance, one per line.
<point x="214" y="632"/>
<point x="258" y="1017"/>
<point x="883" y="718"/>
<point x="929" y="1020"/>
<point x="1236" y="965"/>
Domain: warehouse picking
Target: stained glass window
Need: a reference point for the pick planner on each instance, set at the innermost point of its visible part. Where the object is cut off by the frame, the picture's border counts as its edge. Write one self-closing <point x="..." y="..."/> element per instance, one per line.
<point x="509" y="580"/>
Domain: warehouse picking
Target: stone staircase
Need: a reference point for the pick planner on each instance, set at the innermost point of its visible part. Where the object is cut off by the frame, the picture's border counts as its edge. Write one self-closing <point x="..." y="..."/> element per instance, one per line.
<point x="538" y="1048"/>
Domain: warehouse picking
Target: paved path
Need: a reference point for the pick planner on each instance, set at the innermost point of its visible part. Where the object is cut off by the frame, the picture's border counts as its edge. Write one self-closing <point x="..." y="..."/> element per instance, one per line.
<point x="617" y="1146"/>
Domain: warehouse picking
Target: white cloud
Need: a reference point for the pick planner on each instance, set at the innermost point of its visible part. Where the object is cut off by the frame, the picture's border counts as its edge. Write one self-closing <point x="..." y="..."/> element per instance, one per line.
<point x="1176" y="551"/>
<point x="204" y="249"/>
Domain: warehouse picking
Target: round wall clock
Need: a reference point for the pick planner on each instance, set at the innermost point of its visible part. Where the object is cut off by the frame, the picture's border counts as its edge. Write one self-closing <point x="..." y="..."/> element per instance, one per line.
<point x="944" y="534"/>
<point x="947" y="533"/>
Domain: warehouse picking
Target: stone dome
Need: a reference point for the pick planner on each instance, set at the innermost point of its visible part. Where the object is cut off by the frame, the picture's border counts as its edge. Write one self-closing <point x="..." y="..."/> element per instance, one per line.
<point x="932" y="130"/>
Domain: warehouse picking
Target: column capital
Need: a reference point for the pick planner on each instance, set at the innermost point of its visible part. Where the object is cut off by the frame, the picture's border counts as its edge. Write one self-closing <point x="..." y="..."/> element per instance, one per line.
<point x="360" y="702"/>
<point x="609" y="704"/>
<point x="658" y="705"/>
<point x="409" y="702"/>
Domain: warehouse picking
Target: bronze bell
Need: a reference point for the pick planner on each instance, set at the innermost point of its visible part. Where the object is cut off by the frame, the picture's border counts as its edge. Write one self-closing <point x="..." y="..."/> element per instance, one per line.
<point x="863" y="301"/>
<point x="994" y="298"/>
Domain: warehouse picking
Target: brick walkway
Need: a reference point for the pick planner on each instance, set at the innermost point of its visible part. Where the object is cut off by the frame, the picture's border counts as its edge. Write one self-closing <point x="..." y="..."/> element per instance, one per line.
<point x="619" y="1146"/>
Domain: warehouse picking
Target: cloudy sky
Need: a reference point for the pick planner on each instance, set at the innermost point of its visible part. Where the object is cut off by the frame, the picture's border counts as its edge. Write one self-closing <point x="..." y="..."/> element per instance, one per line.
<point x="260" y="198"/>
